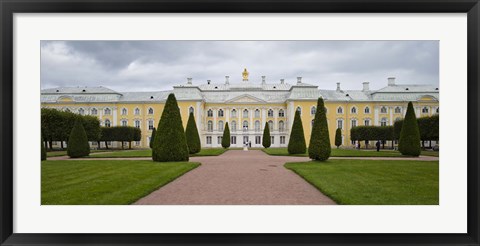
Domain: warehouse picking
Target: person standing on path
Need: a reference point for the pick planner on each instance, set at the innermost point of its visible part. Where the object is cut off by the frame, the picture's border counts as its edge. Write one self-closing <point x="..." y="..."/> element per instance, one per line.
<point x="378" y="145"/>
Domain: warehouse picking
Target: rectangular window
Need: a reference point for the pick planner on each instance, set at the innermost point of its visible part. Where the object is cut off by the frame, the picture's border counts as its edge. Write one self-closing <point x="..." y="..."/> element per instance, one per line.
<point x="257" y="140"/>
<point x="367" y="122"/>
<point x="354" y="123"/>
<point x="245" y="139"/>
<point x="137" y="124"/>
<point x="150" y="125"/>
<point x="109" y="143"/>
<point x="137" y="143"/>
<point x="219" y="140"/>
<point x="340" y="124"/>
<point x="94" y="143"/>
<point x="282" y="139"/>
<point x="209" y="140"/>
<point x="233" y="140"/>
<point x="272" y="139"/>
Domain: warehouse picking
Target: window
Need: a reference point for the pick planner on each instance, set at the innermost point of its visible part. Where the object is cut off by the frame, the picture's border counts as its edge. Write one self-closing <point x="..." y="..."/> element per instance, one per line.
<point x="233" y="140"/>
<point x="191" y="110"/>
<point x="234" y="113"/>
<point x="313" y="110"/>
<point x="220" y="113"/>
<point x="270" y="125"/>
<point x="245" y="139"/>
<point x="367" y="110"/>
<point x="257" y="113"/>
<point x="234" y="126"/>
<point x="354" y="123"/>
<point x="124" y="123"/>
<point x="281" y="113"/>
<point x="137" y="124"/>
<point x="282" y="139"/>
<point x="150" y="125"/>
<point x="281" y="126"/>
<point x="398" y="110"/>
<point x="353" y="110"/>
<point x="210" y="126"/>
<point x="272" y="139"/>
<point x="245" y="125"/>
<point x="270" y="113"/>
<point x="94" y="111"/>
<point x="383" y="110"/>
<point x="149" y="139"/>
<point x="339" y="110"/>
<point x="137" y="111"/>
<point x="150" y="111"/>
<point x="398" y="119"/>
<point x="107" y="123"/>
<point x="209" y="140"/>
<point x="245" y="113"/>
<point x="383" y="122"/>
<point x="220" y="126"/>
<point x="124" y="111"/>
<point x="258" y="140"/>
<point x="81" y="111"/>
<point x="299" y="110"/>
<point x="107" y="111"/>
<point x="425" y="110"/>
<point x="210" y="113"/>
<point x="311" y="123"/>
<point x="219" y="140"/>
<point x="257" y="126"/>
<point x="367" y="122"/>
<point x="340" y="124"/>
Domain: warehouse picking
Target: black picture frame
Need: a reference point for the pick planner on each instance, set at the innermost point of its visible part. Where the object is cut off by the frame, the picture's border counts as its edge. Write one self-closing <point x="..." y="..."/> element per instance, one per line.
<point x="9" y="7"/>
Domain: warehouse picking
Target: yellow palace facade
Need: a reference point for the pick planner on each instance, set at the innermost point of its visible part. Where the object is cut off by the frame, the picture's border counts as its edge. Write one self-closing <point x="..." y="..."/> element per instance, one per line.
<point x="247" y="106"/>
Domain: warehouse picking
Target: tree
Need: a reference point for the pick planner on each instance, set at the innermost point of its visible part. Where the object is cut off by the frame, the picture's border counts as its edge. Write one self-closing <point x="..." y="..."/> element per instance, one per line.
<point x="51" y="121"/>
<point x="153" y="137"/>
<point x="296" y="144"/>
<point x="107" y="135"/>
<point x="91" y="124"/>
<point x="77" y="141"/>
<point x="44" y="152"/>
<point x="409" y="143"/>
<point x="226" y="136"/>
<point x="319" y="148"/>
<point x="170" y="143"/>
<point x="191" y="133"/>
<point x="266" y="139"/>
<point x="338" y="137"/>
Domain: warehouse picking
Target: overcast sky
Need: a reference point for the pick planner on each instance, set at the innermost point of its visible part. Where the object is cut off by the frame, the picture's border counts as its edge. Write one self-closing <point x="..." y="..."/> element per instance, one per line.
<point x="158" y="65"/>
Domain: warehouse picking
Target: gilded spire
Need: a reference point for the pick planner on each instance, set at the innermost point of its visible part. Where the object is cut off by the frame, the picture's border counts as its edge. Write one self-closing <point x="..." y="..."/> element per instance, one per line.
<point x="245" y="75"/>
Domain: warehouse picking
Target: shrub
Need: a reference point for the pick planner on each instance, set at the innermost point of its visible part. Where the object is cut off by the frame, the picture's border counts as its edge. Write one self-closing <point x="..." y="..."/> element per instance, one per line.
<point x="153" y="137"/>
<point x="170" y="143"/>
<point x="226" y="136"/>
<point x="409" y="143"/>
<point x="44" y="152"/>
<point x="191" y="133"/>
<point x="338" y="137"/>
<point x="296" y="144"/>
<point x="78" y="141"/>
<point x="319" y="148"/>
<point x="266" y="141"/>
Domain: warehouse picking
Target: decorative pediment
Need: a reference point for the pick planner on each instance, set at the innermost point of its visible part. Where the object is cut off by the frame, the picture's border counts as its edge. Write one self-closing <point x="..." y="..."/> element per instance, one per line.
<point x="246" y="99"/>
<point x="427" y="98"/>
<point x="65" y="99"/>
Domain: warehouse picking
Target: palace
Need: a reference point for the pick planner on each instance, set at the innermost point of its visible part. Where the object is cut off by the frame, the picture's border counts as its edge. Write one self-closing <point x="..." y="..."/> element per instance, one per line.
<point x="247" y="106"/>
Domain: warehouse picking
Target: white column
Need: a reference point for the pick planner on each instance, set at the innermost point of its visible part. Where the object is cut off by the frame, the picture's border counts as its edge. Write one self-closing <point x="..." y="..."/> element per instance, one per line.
<point x="100" y="114"/>
<point x="240" y="117"/>
<point x="227" y="116"/>
<point x="214" y="121"/>
<point x="198" y="118"/>
<point x="290" y="114"/>
<point x="375" y="121"/>
<point x="251" y="111"/>
<point x="264" y="117"/>
<point x="114" y="111"/>
<point x="391" y="115"/>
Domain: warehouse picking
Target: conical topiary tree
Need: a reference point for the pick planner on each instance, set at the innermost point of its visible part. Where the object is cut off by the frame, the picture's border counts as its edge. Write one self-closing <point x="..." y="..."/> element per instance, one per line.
<point x="409" y="143"/>
<point x="296" y="144"/>
<point x="44" y="152"/>
<point x="338" y="137"/>
<point x="191" y="133"/>
<point x="154" y="131"/>
<point x="266" y="141"/>
<point x="77" y="141"/>
<point x="319" y="148"/>
<point x="226" y="136"/>
<point x="170" y="143"/>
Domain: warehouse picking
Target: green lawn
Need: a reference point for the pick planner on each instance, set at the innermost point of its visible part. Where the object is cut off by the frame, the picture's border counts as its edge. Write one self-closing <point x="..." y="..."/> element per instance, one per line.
<point x="148" y="153"/>
<point x="430" y="153"/>
<point x="105" y="182"/>
<point x="64" y="152"/>
<point x="373" y="182"/>
<point x="341" y="152"/>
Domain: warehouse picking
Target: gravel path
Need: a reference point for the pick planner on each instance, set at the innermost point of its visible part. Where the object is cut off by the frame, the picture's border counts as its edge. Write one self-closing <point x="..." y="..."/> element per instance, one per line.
<point x="237" y="177"/>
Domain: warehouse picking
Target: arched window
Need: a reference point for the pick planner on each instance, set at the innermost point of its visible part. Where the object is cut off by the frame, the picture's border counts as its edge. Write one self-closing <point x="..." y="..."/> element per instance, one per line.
<point x="425" y="110"/>
<point x="107" y="111"/>
<point x="94" y="111"/>
<point x="191" y="110"/>
<point x="234" y="113"/>
<point x="137" y="111"/>
<point x="257" y="126"/>
<point x="353" y="110"/>
<point x="81" y="111"/>
<point x="270" y="113"/>
<point x="281" y="126"/>
<point x="270" y="125"/>
<point x="234" y="125"/>
<point x="137" y="123"/>
<point x="313" y="110"/>
<point x="367" y="110"/>
<point x="339" y="110"/>
<point x="257" y="113"/>
<point x="220" y="113"/>
<point x="340" y="124"/>
<point x="354" y="122"/>
<point x="150" y="110"/>
<point x="124" y="123"/>
<point x="210" y="126"/>
<point x="383" y="110"/>
<point x="210" y="113"/>
<point x="245" y="113"/>
<point x="299" y="110"/>
<point x="281" y="113"/>
<point x="220" y="126"/>
<point x="245" y="125"/>
<point x="367" y="122"/>
<point x="124" y="111"/>
<point x="383" y="122"/>
<point x="398" y="110"/>
<point x="107" y="123"/>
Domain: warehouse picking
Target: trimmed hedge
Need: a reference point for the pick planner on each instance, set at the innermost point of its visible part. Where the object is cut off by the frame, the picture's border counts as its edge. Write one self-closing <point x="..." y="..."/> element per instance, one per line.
<point x="226" y="136"/>
<point x="120" y="134"/>
<point x="338" y="137"/>
<point x="409" y="143"/>
<point x="319" y="148"/>
<point x="296" y="144"/>
<point x="170" y="143"/>
<point x="152" y="137"/>
<point x="428" y="127"/>
<point x="191" y="133"/>
<point x="78" y="142"/>
<point x="266" y="141"/>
